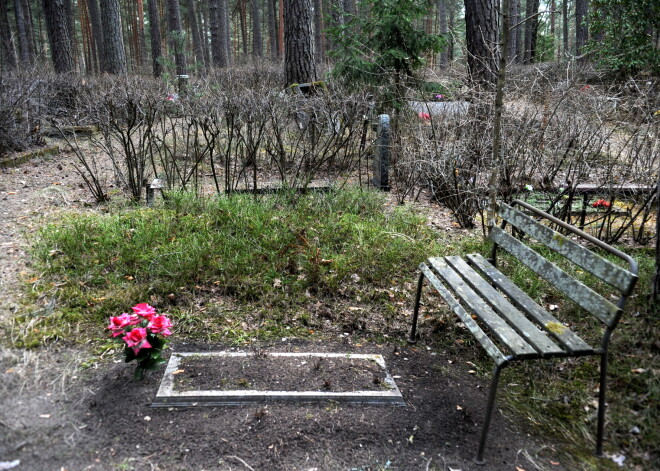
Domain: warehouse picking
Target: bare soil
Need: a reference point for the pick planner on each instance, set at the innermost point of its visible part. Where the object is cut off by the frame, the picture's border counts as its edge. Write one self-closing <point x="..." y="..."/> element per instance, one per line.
<point x="55" y="415"/>
<point x="264" y="372"/>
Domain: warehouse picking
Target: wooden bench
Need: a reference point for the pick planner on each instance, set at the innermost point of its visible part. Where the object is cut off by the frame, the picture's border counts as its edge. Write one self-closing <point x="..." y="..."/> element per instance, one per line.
<point x="507" y="322"/>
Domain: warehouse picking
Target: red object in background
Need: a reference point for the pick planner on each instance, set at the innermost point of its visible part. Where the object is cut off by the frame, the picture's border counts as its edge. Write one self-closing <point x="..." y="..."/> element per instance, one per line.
<point x="601" y="204"/>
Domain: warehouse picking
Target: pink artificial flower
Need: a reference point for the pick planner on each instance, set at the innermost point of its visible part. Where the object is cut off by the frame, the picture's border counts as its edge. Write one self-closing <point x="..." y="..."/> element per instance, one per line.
<point x="144" y="310"/>
<point x="160" y="325"/>
<point x="118" y="323"/>
<point x="425" y="116"/>
<point x="137" y="339"/>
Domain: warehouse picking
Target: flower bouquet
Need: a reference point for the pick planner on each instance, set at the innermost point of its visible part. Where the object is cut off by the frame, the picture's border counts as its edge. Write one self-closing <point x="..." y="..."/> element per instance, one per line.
<point x="145" y="335"/>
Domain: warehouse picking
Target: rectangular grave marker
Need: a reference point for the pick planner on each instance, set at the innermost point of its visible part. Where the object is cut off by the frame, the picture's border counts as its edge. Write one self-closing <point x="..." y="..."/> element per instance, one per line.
<point x="169" y="396"/>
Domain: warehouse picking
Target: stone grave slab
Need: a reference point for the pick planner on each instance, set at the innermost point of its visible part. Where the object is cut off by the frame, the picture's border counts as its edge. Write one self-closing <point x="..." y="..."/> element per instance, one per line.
<point x="236" y="378"/>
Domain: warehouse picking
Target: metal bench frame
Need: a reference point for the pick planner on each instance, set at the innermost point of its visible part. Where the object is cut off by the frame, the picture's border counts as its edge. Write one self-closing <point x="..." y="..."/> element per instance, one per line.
<point x="506" y="316"/>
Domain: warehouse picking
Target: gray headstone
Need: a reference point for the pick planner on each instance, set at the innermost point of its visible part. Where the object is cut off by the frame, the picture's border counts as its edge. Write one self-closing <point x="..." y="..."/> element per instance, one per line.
<point x="382" y="154"/>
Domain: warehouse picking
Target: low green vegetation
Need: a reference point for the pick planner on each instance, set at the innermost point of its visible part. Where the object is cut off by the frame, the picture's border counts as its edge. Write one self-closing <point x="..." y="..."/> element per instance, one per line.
<point x="275" y="252"/>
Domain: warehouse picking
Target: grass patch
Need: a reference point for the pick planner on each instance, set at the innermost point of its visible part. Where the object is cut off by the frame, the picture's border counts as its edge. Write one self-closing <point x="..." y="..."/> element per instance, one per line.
<point x="277" y="250"/>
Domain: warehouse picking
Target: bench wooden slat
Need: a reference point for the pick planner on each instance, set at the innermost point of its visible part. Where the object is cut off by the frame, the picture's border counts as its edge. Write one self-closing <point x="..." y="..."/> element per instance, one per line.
<point x="564" y="335"/>
<point x="503" y="331"/>
<point x="481" y="337"/>
<point x="516" y="319"/>
<point x="581" y="294"/>
<point x="607" y="271"/>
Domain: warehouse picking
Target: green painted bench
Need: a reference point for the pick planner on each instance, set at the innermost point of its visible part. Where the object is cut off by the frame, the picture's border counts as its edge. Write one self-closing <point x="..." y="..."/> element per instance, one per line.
<point x="507" y="322"/>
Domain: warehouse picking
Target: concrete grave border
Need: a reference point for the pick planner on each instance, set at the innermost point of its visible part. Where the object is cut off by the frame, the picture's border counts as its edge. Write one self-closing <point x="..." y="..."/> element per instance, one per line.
<point x="168" y="397"/>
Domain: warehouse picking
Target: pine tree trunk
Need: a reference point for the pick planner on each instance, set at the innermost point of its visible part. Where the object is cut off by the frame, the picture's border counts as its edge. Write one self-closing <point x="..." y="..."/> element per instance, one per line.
<point x="257" y="42"/>
<point x="6" y="42"/>
<point x="481" y="30"/>
<point x="56" y="25"/>
<point x="531" y="28"/>
<point x="564" y="16"/>
<point x="318" y="31"/>
<point x="198" y="48"/>
<point x="514" y="18"/>
<point x="299" y="64"/>
<point x="97" y="32"/>
<point x="280" y="29"/>
<point x="443" y="30"/>
<point x="112" y="37"/>
<point x="71" y="29"/>
<point x="21" y="30"/>
<point x="272" y="28"/>
<point x="242" y="10"/>
<point x="29" y="29"/>
<point x="156" y="41"/>
<point x="177" y="36"/>
<point x="581" y="28"/>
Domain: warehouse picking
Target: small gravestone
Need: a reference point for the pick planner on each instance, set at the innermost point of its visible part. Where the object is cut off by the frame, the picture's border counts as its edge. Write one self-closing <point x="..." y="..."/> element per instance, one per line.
<point x="381" y="166"/>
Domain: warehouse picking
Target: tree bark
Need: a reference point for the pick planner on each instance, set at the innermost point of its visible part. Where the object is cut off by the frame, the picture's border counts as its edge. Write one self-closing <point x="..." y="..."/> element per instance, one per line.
<point x="443" y="30"/>
<point x="299" y="64"/>
<point x="257" y="42"/>
<point x="481" y="24"/>
<point x="177" y="36"/>
<point x="60" y="46"/>
<point x="318" y="31"/>
<point x="156" y="40"/>
<point x="280" y="29"/>
<point x="21" y="30"/>
<point x="514" y="18"/>
<point x="243" y="21"/>
<point x="581" y="28"/>
<point x="97" y="32"/>
<point x="29" y="30"/>
<point x="272" y="28"/>
<point x="71" y="30"/>
<point x="564" y="15"/>
<point x="6" y="42"/>
<point x="198" y="48"/>
<point x="531" y="28"/>
<point x="112" y="37"/>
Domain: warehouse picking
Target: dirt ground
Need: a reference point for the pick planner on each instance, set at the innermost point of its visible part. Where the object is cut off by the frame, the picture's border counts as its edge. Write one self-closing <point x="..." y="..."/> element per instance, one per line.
<point x="54" y="415"/>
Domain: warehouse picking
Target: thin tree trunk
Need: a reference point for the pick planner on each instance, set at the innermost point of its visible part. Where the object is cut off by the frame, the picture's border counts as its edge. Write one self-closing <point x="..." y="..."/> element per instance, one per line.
<point x="142" y="40"/>
<point x="299" y="64"/>
<point x="242" y="10"/>
<point x="451" y="13"/>
<point x="443" y="30"/>
<point x="29" y="30"/>
<point x="177" y="37"/>
<point x="21" y="30"/>
<point x="196" y="36"/>
<point x="6" y="42"/>
<point x="531" y="28"/>
<point x="112" y="36"/>
<point x="71" y="29"/>
<point x="564" y="15"/>
<point x="56" y="25"/>
<point x="581" y="28"/>
<point x="156" y="41"/>
<point x="97" y="33"/>
<point x="497" y="160"/>
<point x="257" y="43"/>
<point x="280" y="31"/>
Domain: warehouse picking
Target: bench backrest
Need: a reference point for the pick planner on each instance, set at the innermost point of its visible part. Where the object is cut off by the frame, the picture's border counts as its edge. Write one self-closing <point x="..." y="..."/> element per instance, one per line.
<point x="623" y="280"/>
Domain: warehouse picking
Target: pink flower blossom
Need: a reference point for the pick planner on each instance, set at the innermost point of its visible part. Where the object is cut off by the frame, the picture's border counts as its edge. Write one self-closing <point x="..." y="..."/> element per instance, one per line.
<point x="118" y="323"/>
<point x="137" y="339"/>
<point x="425" y="116"/>
<point x="160" y="325"/>
<point x="144" y="310"/>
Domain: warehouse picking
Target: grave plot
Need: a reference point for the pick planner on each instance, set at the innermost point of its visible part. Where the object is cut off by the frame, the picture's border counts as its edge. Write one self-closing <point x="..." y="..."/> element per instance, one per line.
<point x="233" y="378"/>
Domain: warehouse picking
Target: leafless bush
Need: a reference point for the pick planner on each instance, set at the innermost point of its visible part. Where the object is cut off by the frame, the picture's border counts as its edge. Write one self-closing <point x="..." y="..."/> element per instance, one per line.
<point x="21" y="111"/>
<point x="570" y="142"/>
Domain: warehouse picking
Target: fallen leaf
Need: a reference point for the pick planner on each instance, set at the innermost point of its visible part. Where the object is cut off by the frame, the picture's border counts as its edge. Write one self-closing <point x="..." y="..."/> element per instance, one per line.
<point x="458" y="407"/>
<point x="554" y="463"/>
<point x="177" y="372"/>
<point x="518" y="468"/>
<point x="10" y="370"/>
<point x="639" y="371"/>
<point x="44" y="416"/>
<point x="277" y="283"/>
<point x="472" y="372"/>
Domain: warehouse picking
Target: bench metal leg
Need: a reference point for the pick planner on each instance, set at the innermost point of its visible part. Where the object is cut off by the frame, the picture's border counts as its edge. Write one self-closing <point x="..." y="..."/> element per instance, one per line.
<point x="489" y="412"/>
<point x="600" y="433"/>
<point x="413" y="329"/>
